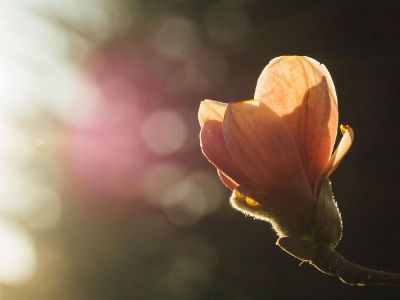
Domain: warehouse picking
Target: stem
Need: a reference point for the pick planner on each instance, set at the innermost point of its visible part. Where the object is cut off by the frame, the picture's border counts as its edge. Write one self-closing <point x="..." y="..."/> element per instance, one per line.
<point x="332" y="263"/>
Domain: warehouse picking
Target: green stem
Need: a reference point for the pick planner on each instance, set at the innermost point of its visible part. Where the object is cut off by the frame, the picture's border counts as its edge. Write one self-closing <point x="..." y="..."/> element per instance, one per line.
<point x="332" y="263"/>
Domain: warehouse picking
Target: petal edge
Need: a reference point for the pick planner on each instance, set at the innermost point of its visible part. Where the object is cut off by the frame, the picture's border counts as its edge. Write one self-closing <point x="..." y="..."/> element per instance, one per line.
<point x="211" y="110"/>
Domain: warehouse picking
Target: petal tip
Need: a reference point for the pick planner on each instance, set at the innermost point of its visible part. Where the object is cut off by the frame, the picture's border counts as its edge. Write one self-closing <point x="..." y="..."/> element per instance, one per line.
<point x="211" y="110"/>
<point x="312" y="61"/>
<point x="346" y="128"/>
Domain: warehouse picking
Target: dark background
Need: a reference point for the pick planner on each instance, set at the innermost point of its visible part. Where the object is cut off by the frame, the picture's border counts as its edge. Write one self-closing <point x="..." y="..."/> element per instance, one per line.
<point x="131" y="251"/>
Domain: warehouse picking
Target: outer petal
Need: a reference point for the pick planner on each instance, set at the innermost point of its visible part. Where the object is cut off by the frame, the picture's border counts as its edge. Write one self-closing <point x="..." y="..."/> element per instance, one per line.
<point x="338" y="155"/>
<point x="213" y="145"/>
<point x="211" y="110"/>
<point x="229" y="182"/>
<point x="301" y="90"/>
<point x="262" y="146"/>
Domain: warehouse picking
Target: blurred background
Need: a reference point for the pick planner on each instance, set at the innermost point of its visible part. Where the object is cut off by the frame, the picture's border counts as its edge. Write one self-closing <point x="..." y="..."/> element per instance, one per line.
<point x="104" y="193"/>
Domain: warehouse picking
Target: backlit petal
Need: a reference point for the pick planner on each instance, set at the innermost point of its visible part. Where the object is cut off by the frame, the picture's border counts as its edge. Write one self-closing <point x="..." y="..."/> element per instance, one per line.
<point x="227" y="181"/>
<point x="211" y="110"/>
<point x="213" y="145"/>
<point x="301" y="90"/>
<point x="340" y="152"/>
<point x="261" y="145"/>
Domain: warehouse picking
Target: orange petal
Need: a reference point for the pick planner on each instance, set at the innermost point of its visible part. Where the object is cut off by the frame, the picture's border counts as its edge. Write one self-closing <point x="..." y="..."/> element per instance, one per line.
<point x="213" y="145"/>
<point x="301" y="90"/>
<point x="211" y="110"/>
<point x="261" y="145"/>
<point x="340" y="152"/>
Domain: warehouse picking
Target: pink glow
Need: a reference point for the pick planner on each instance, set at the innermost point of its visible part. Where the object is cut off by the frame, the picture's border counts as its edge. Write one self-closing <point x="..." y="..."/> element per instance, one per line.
<point x="104" y="150"/>
<point x="116" y="133"/>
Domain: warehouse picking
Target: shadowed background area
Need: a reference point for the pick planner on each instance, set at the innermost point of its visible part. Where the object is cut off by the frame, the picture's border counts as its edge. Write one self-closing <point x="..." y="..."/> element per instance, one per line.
<point x="104" y="193"/>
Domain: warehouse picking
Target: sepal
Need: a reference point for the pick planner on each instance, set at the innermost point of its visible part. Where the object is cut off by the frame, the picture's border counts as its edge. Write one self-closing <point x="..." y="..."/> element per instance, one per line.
<point x="327" y="226"/>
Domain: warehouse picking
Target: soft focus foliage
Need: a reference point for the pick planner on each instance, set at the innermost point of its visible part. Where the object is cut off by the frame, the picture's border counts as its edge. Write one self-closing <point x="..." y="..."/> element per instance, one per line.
<point x="103" y="191"/>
